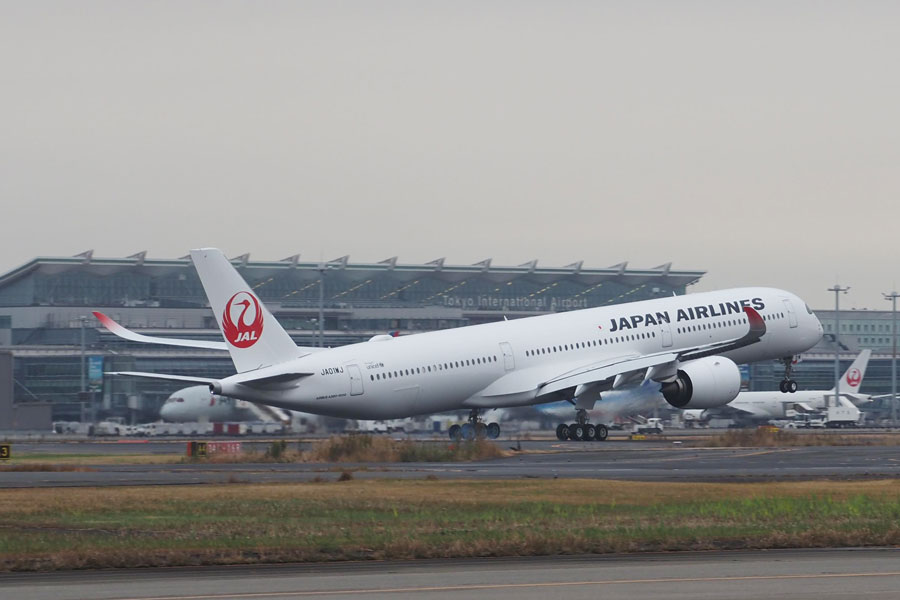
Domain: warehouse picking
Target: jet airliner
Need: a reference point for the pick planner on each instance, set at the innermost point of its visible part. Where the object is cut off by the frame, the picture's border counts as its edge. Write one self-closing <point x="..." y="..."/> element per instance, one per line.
<point x="688" y="344"/>
<point x="197" y="403"/>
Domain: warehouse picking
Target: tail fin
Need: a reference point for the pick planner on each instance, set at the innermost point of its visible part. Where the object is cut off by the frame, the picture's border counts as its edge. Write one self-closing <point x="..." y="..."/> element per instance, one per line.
<point x="255" y="339"/>
<point x="852" y="379"/>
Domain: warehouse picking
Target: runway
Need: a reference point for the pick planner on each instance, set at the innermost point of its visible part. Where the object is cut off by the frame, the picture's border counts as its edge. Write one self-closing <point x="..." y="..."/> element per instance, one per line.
<point x="637" y="461"/>
<point x="798" y="574"/>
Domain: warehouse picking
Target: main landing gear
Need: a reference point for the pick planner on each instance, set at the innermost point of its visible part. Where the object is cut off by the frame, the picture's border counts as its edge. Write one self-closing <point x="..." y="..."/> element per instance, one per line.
<point x="788" y="385"/>
<point x="474" y="429"/>
<point x="581" y="430"/>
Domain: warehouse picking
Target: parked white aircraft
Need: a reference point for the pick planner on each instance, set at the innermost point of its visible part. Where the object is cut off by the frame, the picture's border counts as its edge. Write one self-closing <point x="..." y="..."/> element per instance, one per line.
<point x="772" y="405"/>
<point x="198" y="403"/>
<point x="688" y="344"/>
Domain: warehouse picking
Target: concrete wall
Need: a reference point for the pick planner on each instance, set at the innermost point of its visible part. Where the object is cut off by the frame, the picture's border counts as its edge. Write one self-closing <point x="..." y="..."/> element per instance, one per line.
<point x="23" y="417"/>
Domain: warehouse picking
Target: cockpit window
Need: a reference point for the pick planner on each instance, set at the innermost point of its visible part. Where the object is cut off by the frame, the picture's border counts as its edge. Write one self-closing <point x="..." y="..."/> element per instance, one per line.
<point x="808" y="309"/>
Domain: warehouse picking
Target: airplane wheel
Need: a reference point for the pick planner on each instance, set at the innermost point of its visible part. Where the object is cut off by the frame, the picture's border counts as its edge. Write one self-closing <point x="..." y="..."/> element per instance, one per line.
<point x="480" y="431"/>
<point x="589" y="432"/>
<point x="493" y="431"/>
<point x="468" y="432"/>
<point x="455" y="432"/>
<point x="783" y="386"/>
<point x="792" y="386"/>
<point x="562" y="432"/>
<point x="601" y="433"/>
<point x="576" y="432"/>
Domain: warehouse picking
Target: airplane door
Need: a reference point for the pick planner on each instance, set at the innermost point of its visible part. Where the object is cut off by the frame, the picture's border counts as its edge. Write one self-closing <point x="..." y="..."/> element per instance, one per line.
<point x="665" y="331"/>
<point x="509" y="361"/>
<point x="356" y="383"/>
<point x="792" y="316"/>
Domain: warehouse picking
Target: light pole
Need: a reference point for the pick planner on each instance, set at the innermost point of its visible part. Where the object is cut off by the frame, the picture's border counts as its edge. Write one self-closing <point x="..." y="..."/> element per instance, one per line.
<point x="81" y="321"/>
<point x="838" y="290"/>
<point x="893" y="298"/>
<point x="81" y="390"/>
<point x="322" y="268"/>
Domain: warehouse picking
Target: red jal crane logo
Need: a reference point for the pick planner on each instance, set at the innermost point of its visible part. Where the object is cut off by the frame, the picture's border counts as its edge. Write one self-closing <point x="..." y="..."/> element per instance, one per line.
<point x="854" y="377"/>
<point x="239" y="332"/>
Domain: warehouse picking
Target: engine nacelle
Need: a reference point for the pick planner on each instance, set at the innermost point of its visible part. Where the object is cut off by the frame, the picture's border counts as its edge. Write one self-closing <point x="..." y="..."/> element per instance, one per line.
<point x="704" y="383"/>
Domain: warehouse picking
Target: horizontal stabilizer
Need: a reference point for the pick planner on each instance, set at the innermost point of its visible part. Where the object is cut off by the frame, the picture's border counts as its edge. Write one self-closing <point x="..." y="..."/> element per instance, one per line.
<point x="858" y="399"/>
<point x="184" y="378"/>
<point x="279" y="378"/>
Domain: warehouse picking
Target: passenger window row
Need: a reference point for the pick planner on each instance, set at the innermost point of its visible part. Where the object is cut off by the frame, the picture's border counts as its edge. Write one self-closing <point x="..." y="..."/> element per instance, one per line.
<point x="457" y="364"/>
<point x="592" y="343"/>
<point x="714" y="325"/>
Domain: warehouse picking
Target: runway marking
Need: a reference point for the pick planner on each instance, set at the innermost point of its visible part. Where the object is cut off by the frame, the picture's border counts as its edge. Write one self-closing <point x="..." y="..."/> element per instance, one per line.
<point x="501" y="586"/>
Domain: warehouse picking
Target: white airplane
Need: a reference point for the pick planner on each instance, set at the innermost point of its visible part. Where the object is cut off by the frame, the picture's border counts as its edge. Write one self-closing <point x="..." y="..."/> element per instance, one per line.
<point x="773" y="405"/>
<point x="198" y="403"/>
<point x="688" y="344"/>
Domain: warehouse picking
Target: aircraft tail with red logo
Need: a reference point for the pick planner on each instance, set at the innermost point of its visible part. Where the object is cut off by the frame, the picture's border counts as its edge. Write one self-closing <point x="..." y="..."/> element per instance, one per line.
<point x="254" y="338"/>
<point x="851" y="381"/>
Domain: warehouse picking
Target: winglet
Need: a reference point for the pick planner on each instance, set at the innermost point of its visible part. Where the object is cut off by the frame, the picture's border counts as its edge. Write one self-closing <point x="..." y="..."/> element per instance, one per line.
<point x="757" y="324"/>
<point x="754" y="333"/>
<point x="109" y="323"/>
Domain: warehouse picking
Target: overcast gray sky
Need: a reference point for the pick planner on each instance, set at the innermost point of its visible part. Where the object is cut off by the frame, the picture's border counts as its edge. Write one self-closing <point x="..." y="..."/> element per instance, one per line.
<point x="757" y="140"/>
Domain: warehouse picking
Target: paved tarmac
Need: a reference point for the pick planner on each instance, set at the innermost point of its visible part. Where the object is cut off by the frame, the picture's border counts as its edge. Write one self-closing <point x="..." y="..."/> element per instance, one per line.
<point x="638" y="461"/>
<point x="758" y="575"/>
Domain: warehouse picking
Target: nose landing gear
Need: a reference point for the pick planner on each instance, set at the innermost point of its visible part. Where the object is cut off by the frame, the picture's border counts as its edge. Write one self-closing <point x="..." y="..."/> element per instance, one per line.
<point x="474" y="429"/>
<point x="581" y="430"/>
<point x="788" y="385"/>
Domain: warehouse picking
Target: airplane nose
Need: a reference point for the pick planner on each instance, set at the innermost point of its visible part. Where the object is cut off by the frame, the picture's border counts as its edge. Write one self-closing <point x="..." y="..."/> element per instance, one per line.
<point x="165" y="413"/>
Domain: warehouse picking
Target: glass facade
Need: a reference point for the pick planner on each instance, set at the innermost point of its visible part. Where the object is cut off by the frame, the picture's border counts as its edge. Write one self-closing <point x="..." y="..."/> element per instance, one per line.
<point x="871" y="329"/>
<point x="497" y="289"/>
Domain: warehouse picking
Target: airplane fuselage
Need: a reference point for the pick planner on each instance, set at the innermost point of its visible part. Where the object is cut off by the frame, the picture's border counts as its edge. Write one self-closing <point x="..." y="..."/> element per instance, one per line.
<point x="450" y="369"/>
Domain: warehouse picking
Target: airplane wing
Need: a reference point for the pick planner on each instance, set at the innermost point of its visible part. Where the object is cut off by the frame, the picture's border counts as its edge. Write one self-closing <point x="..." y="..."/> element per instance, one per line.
<point x="184" y="378"/>
<point x="127" y="334"/>
<point x="742" y="409"/>
<point x="542" y="382"/>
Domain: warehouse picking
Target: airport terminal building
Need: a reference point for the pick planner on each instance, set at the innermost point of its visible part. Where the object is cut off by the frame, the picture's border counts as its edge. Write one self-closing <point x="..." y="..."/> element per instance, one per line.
<point x="54" y="356"/>
<point x="58" y="355"/>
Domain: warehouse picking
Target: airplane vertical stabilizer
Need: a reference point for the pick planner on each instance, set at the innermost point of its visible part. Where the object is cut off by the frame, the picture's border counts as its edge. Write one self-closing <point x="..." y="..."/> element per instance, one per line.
<point x="255" y="339"/>
<point x="852" y="378"/>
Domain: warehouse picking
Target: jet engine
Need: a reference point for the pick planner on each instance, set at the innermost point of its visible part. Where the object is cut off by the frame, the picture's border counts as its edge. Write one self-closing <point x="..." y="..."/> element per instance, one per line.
<point x="704" y="383"/>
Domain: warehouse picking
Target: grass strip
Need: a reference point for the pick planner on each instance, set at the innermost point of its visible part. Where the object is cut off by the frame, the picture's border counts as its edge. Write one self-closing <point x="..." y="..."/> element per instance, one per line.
<point x="766" y="437"/>
<point x="336" y="449"/>
<point x="45" y="529"/>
